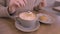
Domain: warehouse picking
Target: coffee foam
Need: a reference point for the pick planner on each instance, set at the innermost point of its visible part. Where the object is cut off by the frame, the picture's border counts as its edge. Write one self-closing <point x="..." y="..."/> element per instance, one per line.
<point x="27" y="16"/>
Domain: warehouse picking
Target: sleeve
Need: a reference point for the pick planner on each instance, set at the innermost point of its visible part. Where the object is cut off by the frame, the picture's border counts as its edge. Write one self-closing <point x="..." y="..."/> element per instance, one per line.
<point x="37" y="5"/>
<point x="36" y="8"/>
<point x="40" y="5"/>
<point x="4" y="11"/>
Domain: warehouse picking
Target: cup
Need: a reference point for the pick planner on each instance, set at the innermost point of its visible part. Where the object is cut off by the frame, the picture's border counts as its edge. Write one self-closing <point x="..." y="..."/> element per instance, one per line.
<point x="29" y="23"/>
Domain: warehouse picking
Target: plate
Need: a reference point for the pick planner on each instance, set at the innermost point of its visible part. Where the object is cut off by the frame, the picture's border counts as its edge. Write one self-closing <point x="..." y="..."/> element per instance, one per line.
<point x="18" y="26"/>
<point x="49" y="18"/>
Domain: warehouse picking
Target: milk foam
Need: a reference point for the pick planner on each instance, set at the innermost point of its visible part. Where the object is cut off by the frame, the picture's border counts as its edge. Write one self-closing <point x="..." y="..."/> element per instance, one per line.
<point x="27" y="16"/>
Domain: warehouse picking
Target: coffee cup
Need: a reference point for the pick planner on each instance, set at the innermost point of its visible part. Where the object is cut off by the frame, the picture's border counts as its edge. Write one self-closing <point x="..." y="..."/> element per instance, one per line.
<point x="27" y="19"/>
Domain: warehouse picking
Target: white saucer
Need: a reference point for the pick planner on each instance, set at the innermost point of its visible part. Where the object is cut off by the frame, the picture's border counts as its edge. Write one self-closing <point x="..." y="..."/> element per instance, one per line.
<point x="18" y="26"/>
<point x="50" y="18"/>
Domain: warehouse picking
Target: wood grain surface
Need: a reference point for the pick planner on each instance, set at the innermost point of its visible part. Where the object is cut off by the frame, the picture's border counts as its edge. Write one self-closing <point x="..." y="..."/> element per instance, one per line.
<point x="7" y="26"/>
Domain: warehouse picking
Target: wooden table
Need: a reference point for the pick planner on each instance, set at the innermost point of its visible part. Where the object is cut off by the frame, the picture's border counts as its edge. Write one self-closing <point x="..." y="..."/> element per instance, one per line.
<point x="7" y="26"/>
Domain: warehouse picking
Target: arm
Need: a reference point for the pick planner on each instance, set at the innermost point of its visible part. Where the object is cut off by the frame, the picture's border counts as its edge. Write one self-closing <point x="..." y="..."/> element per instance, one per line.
<point x="4" y="11"/>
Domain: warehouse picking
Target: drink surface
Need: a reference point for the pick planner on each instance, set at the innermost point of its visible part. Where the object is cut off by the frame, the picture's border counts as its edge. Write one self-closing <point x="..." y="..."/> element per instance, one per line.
<point x="27" y="16"/>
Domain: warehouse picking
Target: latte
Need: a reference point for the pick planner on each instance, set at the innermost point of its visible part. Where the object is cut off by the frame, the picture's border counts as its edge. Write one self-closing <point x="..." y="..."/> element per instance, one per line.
<point x="27" y="16"/>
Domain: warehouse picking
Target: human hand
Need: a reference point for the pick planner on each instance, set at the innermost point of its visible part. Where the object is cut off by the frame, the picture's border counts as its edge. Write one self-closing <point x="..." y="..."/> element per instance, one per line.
<point x="16" y="4"/>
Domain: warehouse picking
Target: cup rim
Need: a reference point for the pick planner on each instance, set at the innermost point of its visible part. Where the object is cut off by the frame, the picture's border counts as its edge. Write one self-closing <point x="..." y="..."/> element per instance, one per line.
<point x="26" y="19"/>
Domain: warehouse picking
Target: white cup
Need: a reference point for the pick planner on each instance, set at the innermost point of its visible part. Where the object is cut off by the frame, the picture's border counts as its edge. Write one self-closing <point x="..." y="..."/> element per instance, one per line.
<point x="27" y="23"/>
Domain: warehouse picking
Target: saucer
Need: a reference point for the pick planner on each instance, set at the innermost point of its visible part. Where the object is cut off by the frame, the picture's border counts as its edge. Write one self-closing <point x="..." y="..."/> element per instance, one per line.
<point x="24" y="29"/>
<point x="50" y="18"/>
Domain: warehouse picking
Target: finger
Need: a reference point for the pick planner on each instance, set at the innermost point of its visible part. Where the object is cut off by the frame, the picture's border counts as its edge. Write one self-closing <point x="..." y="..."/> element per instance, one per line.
<point x="22" y="2"/>
<point x="17" y="4"/>
<point x="25" y="1"/>
<point x="12" y="5"/>
<point x="13" y="9"/>
<point x="11" y="2"/>
<point x="20" y="5"/>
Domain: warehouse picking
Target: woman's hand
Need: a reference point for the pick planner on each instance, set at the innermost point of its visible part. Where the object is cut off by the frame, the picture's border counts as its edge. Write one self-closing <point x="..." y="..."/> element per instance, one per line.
<point x="16" y="4"/>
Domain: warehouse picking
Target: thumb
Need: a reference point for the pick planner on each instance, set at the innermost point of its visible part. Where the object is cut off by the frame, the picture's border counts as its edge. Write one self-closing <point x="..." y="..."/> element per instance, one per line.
<point x="13" y="9"/>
